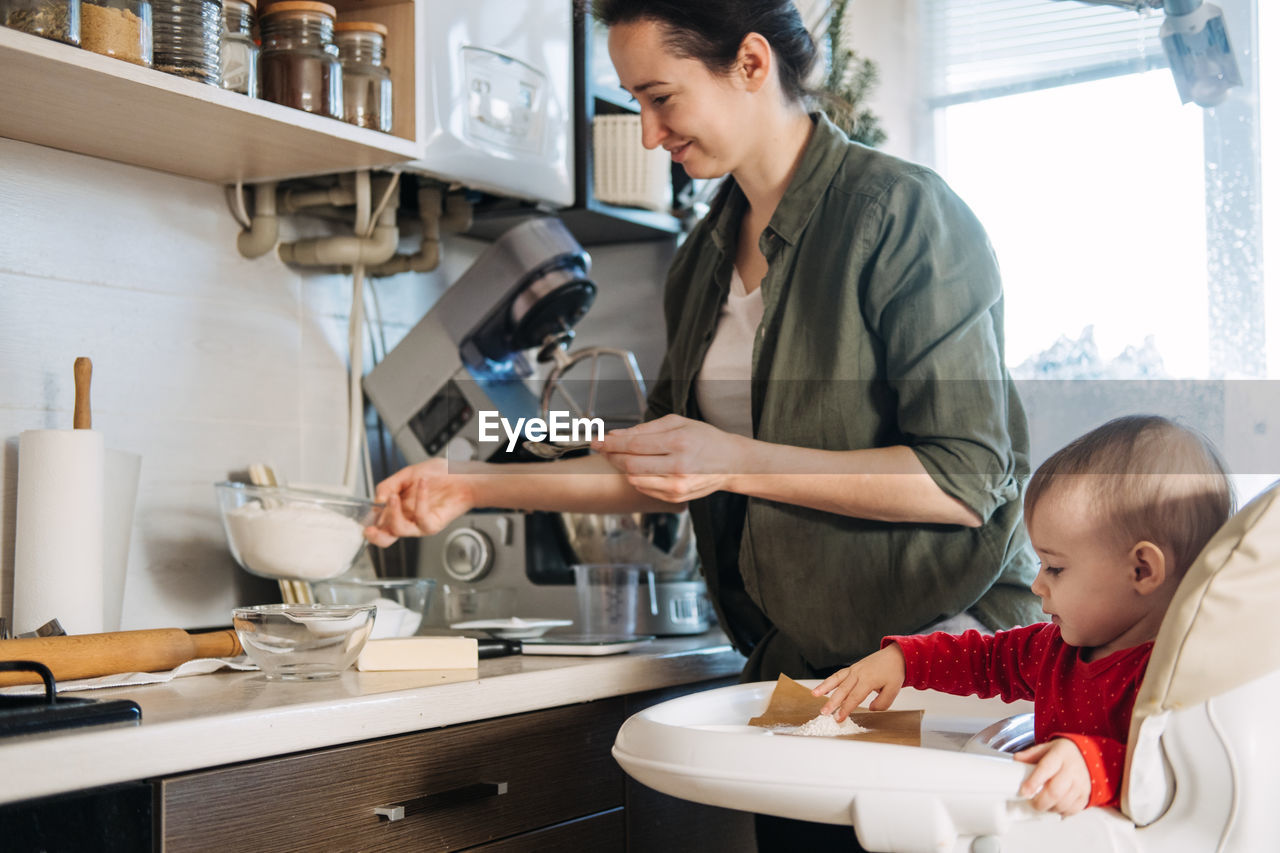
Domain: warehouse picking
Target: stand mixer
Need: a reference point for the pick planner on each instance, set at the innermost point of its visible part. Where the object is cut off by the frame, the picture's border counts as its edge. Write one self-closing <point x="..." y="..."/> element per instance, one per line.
<point x="528" y="290"/>
<point x="466" y="355"/>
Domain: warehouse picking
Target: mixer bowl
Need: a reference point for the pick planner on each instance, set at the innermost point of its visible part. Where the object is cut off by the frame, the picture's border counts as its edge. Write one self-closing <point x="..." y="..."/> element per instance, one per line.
<point x="663" y="540"/>
<point x="292" y="533"/>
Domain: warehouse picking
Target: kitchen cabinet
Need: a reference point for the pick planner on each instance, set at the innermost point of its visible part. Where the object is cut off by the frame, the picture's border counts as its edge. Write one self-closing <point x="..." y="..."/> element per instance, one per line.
<point x="657" y="823"/>
<point x="232" y="761"/>
<point x="538" y="781"/>
<point x="456" y="788"/>
<point x="111" y="819"/>
<point x="76" y="100"/>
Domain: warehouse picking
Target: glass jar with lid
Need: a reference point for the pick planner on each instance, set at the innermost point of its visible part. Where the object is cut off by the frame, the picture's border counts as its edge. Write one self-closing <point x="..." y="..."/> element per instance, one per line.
<point x="188" y="38"/>
<point x="52" y="19"/>
<point x="239" y="50"/>
<point x="119" y="28"/>
<point x="366" y="81"/>
<point x="299" y="64"/>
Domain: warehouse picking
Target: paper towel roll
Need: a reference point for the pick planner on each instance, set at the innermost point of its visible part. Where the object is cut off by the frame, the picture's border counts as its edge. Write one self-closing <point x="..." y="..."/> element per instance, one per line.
<point x="57" y="560"/>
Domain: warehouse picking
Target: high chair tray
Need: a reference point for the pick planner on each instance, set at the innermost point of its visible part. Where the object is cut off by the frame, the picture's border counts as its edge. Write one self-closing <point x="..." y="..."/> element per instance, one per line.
<point x="899" y="798"/>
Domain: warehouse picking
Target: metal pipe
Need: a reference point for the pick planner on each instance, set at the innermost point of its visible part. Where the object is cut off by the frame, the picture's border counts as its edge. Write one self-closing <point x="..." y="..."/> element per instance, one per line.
<point x="264" y="228"/>
<point x="427" y="257"/>
<point x="296" y="200"/>
<point x="1181" y="7"/>
<point x="347" y="251"/>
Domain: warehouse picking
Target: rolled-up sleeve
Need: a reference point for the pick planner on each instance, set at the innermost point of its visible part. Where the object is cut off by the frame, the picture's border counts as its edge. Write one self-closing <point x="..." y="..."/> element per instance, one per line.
<point x="932" y="292"/>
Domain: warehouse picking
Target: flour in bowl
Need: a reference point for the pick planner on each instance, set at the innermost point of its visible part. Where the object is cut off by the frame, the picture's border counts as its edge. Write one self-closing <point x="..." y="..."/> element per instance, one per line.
<point x="823" y="725"/>
<point x="294" y="541"/>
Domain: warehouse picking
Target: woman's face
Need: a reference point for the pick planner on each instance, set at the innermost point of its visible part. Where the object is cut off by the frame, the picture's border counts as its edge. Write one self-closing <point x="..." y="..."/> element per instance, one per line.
<point x="701" y="118"/>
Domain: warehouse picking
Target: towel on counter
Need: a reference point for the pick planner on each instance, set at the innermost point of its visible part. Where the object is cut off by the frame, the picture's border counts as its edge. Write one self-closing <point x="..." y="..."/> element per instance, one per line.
<point x="199" y="666"/>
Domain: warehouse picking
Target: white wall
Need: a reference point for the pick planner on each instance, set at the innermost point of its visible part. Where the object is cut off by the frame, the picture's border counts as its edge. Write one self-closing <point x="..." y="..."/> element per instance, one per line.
<point x="204" y="362"/>
<point x="886" y="32"/>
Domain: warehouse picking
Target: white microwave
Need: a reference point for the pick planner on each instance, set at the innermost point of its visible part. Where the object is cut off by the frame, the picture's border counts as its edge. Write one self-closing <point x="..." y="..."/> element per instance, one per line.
<point x="498" y="100"/>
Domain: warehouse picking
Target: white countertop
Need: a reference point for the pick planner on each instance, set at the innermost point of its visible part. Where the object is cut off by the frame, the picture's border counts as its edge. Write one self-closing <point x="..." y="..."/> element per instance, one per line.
<point x="208" y="720"/>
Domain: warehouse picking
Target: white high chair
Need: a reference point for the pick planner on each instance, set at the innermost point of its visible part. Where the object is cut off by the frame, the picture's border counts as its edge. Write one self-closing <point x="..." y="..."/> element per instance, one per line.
<point x="1201" y="770"/>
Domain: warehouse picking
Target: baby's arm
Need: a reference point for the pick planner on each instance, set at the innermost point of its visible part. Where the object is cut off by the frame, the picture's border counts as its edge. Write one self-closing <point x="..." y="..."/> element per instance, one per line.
<point x="1073" y="772"/>
<point x="880" y="673"/>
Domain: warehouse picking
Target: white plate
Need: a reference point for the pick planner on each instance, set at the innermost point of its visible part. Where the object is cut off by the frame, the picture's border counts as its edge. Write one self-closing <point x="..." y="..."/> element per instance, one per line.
<point x="514" y="628"/>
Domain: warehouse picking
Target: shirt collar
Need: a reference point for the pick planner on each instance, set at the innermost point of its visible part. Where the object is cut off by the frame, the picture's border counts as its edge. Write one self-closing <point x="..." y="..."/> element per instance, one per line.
<point x="817" y="167"/>
<point x="819" y="161"/>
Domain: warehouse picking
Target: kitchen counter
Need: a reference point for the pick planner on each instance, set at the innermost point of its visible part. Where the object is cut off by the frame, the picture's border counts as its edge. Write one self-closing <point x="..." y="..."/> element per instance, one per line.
<point x="205" y="721"/>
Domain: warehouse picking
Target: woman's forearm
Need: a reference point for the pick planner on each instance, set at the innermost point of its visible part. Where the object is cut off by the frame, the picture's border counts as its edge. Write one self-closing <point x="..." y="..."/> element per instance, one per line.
<point x="883" y="484"/>
<point x="584" y="484"/>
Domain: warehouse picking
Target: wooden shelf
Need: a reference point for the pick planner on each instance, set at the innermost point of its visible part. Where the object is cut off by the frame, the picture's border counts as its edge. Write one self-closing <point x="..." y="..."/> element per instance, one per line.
<point x="618" y="99"/>
<point x="593" y="221"/>
<point x="592" y="224"/>
<point x="76" y="100"/>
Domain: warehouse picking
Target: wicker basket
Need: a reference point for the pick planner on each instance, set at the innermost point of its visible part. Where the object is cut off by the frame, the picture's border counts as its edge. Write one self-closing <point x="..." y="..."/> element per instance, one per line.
<point x="625" y="173"/>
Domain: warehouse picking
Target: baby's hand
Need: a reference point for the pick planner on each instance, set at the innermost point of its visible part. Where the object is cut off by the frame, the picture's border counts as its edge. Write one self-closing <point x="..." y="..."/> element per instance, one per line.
<point x="1060" y="783"/>
<point x="880" y="673"/>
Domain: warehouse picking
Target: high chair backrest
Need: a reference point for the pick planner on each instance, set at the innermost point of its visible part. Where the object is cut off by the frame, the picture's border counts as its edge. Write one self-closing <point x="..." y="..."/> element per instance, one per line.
<point x="1217" y="636"/>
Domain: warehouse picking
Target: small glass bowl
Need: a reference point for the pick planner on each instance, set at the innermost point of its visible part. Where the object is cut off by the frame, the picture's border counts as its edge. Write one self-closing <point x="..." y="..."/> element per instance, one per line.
<point x="402" y="602"/>
<point x="303" y="642"/>
<point x="294" y="534"/>
<point x="465" y="603"/>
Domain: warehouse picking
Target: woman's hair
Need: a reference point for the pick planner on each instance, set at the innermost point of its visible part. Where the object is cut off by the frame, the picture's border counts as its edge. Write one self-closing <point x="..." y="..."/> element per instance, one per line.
<point x="1148" y="478"/>
<point x="711" y="31"/>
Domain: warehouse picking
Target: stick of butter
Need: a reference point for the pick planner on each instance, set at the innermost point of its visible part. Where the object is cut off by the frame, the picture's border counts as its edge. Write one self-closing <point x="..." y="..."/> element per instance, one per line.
<point x="402" y="653"/>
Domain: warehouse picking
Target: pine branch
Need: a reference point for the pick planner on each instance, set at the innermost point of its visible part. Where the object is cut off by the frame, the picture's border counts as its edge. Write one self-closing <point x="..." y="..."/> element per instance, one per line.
<point x="850" y="78"/>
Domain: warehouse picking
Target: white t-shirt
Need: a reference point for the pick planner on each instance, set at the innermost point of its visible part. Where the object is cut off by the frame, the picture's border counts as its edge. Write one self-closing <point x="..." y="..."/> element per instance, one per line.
<point x="723" y="387"/>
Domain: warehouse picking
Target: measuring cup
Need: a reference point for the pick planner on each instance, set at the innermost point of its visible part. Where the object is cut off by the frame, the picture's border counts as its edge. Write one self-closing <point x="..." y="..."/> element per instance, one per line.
<point x="608" y="596"/>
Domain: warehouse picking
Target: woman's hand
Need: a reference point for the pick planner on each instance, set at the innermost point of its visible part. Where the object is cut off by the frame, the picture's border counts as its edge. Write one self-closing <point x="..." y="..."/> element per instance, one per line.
<point x="881" y="673"/>
<point x="1060" y="783"/>
<point x="674" y="459"/>
<point x="420" y="500"/>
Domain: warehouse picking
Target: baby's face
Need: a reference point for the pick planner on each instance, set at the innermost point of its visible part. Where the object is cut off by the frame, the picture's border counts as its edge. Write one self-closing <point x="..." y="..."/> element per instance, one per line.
<point x="1085" y="579"/>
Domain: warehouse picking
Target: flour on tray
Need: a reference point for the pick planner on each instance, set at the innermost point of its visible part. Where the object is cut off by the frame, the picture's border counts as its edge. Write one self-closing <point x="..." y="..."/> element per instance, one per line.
<point x="823" y="725"/>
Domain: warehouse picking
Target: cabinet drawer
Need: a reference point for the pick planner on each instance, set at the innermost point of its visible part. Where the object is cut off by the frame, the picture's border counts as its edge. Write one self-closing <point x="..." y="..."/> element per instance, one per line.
<point x="550" y="766"/>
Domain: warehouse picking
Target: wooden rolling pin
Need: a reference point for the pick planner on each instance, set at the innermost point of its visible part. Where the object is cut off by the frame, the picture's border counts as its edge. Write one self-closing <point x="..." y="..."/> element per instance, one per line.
<point x="90" y="655"/>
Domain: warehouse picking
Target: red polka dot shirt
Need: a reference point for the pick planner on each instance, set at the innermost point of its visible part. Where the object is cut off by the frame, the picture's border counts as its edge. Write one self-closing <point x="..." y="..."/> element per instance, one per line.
<point x="1089" y="702"/>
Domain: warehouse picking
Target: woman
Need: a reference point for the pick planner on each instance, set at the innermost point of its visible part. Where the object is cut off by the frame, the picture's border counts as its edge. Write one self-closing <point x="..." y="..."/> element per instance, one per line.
<point x="833" y="406"/>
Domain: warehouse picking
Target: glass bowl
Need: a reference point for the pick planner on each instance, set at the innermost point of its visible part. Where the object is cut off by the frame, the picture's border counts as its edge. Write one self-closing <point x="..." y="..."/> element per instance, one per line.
<point x="663" y="540"/>
<point x="303" y="642"/>
<point x="465" y="603"/>
<point x="292" y="533"/>
<point x="402" y="602"/>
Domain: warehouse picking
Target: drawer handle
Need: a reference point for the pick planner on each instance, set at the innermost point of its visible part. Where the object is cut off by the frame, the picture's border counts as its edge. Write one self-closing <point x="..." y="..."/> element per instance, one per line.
<point x="441" y="799"/>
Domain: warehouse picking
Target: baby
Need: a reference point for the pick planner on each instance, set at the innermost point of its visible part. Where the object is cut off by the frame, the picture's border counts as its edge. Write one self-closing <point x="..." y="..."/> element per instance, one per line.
<point x="1116" y="518"/>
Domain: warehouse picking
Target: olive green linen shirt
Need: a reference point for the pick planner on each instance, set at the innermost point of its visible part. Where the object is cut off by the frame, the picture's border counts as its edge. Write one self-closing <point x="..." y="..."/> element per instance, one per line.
<point x="883" y="325"/>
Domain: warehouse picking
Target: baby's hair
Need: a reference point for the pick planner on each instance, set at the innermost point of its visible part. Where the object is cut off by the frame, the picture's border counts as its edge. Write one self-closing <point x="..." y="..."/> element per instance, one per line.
<point x="711" y="31"/>
<point x="1149" y="478"/>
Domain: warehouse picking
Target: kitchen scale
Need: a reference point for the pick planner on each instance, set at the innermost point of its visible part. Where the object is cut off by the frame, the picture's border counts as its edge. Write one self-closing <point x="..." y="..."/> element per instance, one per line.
<point x="32" y="713"/>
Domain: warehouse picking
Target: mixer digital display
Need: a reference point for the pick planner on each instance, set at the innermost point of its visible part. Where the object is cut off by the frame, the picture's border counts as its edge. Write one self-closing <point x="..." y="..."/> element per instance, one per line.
<point x="441" y="418"/>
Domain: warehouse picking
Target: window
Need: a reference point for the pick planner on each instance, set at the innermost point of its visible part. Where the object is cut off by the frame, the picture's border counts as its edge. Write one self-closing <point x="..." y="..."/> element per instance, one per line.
<point x="1128" y="226"/>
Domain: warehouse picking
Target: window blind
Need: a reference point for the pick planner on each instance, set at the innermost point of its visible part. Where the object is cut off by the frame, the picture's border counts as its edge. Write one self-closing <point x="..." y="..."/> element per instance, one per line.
<point x="982" y="48"/>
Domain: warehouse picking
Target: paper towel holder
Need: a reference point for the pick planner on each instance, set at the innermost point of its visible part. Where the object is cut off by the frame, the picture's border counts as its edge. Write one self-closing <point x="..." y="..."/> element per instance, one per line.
<point x="82" y="417"/>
